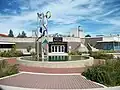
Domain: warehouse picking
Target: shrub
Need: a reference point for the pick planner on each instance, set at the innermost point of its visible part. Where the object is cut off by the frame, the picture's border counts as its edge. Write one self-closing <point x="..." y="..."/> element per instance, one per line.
<point x="29" y="48"/>
<point x="34" y="56"/>
<point x="99" y="55"/>
<point x="7" y="69"/>
<point x="11" y="53"/>
<point x="107" y="74"/>
<point x="17" y="54"/>
<point x="75" y="53"/>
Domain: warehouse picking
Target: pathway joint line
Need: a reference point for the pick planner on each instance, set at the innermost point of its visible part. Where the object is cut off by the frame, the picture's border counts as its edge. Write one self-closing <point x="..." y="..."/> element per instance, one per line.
<point x="5" y="87"/>
<point x="11" y="76"/>
<point x="50" y="73"/>
<point x="94" y="82"/>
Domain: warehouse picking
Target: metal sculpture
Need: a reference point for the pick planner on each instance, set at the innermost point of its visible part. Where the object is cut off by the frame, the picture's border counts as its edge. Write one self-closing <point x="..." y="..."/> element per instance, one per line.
<point x="44" y="32"/>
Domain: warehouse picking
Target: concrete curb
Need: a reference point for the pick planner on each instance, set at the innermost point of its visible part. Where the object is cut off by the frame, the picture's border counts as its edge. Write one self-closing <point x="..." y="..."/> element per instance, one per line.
<point x="11" y="76"/>
<point x="65" y="64"/>
<point x="50" y="73"/>
<point x="95" y="82"/>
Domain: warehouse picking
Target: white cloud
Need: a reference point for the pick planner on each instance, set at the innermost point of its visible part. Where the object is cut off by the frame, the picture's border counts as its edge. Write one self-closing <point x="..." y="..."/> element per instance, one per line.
<point x="63" y="12"/>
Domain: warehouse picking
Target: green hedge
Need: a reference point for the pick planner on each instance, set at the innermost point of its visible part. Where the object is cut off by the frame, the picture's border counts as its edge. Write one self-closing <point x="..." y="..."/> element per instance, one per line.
<point x="101" y="55"/>
<point x="75" y="53"/>
<point x="11" y="53"/>
<point x="107" y="74"/>
<point x="7" y="69"/>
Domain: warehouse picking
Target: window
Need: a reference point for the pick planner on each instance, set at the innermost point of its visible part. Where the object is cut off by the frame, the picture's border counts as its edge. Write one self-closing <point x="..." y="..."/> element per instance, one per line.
<point x="52" y="48"/>
<point x="55" y="48"/>
<point x="59" y="48"/>
<point x="62" y="49"/>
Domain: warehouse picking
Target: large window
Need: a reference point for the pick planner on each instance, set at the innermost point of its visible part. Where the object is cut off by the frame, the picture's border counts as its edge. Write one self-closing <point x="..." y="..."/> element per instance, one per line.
<point x="62" y="48"/>
<point x="59" y="49"/>
<point x="52" y="48"/>
<point x="55" y="48"/>
<point x="6" y="45"/>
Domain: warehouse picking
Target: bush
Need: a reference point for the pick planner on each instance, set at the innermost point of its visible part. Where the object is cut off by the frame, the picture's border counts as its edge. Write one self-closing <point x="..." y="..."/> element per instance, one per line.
<point x="11" y="53"/>
<point x="29" y="48"/>
<point x="7" y="69"/>
<point x="101" y="55"/>
<point x="107" y="74"/>
<point x="34" y="56"/>
<point x="75" y="53"/>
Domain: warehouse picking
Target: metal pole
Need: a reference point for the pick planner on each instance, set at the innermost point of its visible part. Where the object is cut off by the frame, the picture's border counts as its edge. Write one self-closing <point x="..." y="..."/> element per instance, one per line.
<point x="37" y="42"/>
<point x="113" y="43"/>
<point x="118" y="41"/>
<point x="38" y="50"/>
<point x="42" y="39"/>
<point x="78" y="30"/>
<point x="47" y="40"/>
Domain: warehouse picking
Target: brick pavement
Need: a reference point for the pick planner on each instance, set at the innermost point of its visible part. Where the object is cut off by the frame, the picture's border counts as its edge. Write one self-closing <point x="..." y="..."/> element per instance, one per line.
<point x="40" y="81"/>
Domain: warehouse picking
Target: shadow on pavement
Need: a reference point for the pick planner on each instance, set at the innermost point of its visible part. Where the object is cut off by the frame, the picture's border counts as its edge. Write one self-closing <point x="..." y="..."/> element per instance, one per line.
<point x="1" y="88"/>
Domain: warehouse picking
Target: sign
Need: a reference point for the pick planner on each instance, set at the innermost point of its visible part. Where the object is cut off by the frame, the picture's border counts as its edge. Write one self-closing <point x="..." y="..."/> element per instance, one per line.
<point x="44" y="41"/>
<point x="57" y="39"/>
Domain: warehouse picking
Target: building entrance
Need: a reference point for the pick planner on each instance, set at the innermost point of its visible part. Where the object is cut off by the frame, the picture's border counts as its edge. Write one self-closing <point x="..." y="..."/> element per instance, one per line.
<point x="57" y="47"/>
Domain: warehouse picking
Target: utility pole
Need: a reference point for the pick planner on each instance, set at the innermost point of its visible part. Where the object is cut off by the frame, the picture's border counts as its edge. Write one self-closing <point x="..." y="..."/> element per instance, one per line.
<point x="78" y="31"/>
<point x="118" y="42"/>
<point x="42" y="27"/>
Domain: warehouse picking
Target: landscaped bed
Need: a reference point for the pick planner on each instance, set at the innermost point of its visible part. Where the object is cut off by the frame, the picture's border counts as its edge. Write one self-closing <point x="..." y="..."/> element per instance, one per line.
<point x="107" y="73"/>
<point x="7" y="69"/>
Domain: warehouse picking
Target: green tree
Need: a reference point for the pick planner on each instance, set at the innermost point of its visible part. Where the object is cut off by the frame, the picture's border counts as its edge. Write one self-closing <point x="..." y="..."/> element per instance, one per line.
<point x="19" y="35"/>
<point x="23" y="34"/>
<point x="73" y="35"/>
<point x="29" y="48"/>
<point x="88" y="35"/>
<point x="10" y="33"/>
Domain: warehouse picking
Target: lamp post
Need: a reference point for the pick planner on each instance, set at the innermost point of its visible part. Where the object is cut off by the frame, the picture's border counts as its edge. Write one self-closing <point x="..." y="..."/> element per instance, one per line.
<point x="113" y="42"/>
<point x="44" y="32"/>
<point x="118" y="41"/>
<point x="78" y="30"/>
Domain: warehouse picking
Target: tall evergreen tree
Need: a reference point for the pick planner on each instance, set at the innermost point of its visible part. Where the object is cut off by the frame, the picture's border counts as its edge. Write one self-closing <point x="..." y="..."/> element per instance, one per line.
<point x="23" y="34"/>
<point x="88" y="35"/>
<point x="19" y="35"/>
<point x="10" y="33"/>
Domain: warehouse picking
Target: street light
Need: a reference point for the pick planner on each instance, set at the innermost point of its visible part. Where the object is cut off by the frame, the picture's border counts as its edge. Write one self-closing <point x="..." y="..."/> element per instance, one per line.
<point x="118" y="41"/>
<point x="79" y="30"/>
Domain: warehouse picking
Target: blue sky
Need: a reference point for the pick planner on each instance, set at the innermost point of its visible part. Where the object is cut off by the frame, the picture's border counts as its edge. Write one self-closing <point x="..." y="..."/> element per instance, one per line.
<point x="94" y="16"/>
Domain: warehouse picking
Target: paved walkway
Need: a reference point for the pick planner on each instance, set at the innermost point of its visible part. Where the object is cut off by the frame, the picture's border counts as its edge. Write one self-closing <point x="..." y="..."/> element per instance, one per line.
<point x="49" y="81"/>
<point x="53" y="78"/>
<point x="46" y="70"/>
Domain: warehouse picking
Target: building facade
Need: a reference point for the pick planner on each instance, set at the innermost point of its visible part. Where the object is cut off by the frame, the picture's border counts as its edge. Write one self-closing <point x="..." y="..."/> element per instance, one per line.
<point x="104" y="42"/>
<point x="56" y="45"/>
